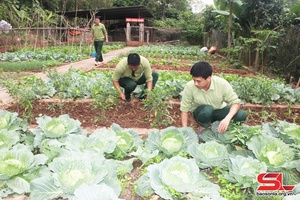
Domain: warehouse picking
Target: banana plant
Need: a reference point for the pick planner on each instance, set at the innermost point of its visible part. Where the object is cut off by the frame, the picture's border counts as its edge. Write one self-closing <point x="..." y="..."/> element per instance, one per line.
<point x="23" y="16"/>
<point x="231" y="4"/>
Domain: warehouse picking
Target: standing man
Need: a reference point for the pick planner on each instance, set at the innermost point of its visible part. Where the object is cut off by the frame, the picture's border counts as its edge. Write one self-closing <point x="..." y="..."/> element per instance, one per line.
<point x="210" y="98"/>
<point x="132" y="71"/>
<point x="98" y="34"/>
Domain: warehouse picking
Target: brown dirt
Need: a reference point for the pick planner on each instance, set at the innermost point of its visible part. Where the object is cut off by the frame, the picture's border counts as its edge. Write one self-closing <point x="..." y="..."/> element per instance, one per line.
<point x="127" y="115"/>
<point x="134" y="115"/>
<point x="187" y="67"/>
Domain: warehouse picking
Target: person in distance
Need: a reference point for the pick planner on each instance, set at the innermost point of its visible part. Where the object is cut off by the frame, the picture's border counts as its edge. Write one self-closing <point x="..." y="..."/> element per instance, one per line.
<point x="98" y="34"/>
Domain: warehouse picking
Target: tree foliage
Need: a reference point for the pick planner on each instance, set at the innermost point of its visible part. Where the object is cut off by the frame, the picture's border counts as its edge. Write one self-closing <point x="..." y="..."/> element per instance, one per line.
<point x="249" y="15"/>
<point x="212" y="20"/>
<point x="285" y="60"/>
<point x="261" y="15"/>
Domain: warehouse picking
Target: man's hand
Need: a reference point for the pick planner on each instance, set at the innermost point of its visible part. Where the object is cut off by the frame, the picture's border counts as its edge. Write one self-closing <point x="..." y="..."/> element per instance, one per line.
<point x="122" y="96"/>
<point x="224" y="125"/>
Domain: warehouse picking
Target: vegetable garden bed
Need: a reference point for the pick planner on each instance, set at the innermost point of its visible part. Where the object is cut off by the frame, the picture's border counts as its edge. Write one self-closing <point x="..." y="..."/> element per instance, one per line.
<point x="134" y="114"/>
<point x="67" y="115"/>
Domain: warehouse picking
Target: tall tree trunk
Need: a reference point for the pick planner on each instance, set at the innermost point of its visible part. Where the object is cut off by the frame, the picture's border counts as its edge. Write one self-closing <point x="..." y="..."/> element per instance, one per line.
<point x="229" y="28"/>
<point x="256" y="60"/>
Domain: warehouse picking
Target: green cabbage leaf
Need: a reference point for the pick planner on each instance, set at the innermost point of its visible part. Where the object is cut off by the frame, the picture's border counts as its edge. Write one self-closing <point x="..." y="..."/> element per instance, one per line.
<point x="209" y="154"/>
<point x="273" y="151"/>
<point x="171" y="141"/>
<point x="172" y="177"/>
<point x="10" y="121"/>
<point x="244" y="170"/>
<point x="71" y="170"/>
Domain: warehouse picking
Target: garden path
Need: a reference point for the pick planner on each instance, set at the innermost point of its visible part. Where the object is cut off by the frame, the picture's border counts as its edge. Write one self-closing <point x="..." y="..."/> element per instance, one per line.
<point x="86" y="64"/>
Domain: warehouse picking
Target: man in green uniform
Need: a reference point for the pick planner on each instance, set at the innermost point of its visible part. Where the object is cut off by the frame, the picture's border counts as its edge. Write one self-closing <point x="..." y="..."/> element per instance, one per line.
<point x="98" y="34"/>
<point x="210" y="98"/>
<point x="132" y="71"/>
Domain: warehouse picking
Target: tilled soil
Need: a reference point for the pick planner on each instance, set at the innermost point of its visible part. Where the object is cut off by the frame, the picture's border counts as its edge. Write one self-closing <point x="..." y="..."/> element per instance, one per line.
<point x="134" y="114"/>
<point x="187" y="68"/>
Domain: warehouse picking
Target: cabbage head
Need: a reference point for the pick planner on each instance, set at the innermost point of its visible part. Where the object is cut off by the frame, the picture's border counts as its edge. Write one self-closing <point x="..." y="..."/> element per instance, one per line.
<point x="70" y="171"/>
<point x="127" y="142"/>
<point x="244" y="170"/>
<point x="175" y="174"/>
<point x="10" y="121"/>
<point x="58" y="127"/>
<point x="171" y="141"/>
<point x="15" y="161"/>
<point x="209" y="154"/>
<point x="273" y="151"/>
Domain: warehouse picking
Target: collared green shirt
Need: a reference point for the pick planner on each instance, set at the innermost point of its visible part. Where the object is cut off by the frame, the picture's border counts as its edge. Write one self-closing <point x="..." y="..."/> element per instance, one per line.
<point x="99" y="32"/>
<point x="123" y="70"/>
<point x="219" y="94"/>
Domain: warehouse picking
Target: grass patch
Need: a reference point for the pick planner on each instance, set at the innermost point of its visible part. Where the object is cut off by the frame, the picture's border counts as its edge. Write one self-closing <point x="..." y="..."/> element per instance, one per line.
<point x="28" y="65"/>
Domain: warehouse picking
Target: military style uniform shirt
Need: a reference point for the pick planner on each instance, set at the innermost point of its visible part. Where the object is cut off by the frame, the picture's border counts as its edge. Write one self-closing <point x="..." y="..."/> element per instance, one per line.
<point x="99" y="32"/>
<point x="122" y="70"/>
<point x="219" y="95"/>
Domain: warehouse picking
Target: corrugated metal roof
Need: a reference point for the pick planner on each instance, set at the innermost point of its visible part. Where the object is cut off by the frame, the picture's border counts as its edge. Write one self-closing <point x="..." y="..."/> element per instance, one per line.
<point x="112" y="13"/>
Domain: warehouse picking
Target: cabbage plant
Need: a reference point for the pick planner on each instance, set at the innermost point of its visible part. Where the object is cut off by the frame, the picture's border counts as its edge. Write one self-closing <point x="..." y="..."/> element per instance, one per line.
<point x="171" y="141"/>
<point x="8" y="138"/>
<point x="15" y="161"/>
<point x="52" y="133"/>
<point x="71" y="171"/>
<point x="10" y="121"/>
<point x="273" y="151"/>
<point x="209" y="154"/>
<point x="127" y="142"/>
<point x="18" y="166"/>
<point x="289" y="131"/>
<point x="102" y="140"/>
<point x="58" y="127"/>
<point x="244" y="170"/>
<point x="174" y="176"/>
<point x="236" y="135"/>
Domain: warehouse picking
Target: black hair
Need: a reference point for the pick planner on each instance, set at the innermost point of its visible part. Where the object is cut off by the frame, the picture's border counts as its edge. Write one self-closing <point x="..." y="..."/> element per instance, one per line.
<point x="133" y="59"/>
<point x="201" y="69"/>
<point x="97" y="17"/>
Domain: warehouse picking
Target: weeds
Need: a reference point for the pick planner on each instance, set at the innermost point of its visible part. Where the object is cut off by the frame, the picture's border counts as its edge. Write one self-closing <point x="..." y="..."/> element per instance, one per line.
<point x="22" y="95"/>
<point x="228" y="190"/>
<point x="157" y="106"/>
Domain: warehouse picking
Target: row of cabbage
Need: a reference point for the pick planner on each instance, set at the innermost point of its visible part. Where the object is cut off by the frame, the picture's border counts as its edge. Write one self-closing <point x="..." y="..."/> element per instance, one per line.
<point x="79" y="84"/>
<point x="42" y="56"/>
<point x="170" y="51"/>
<point x="59" y="159"/>
<point x="57" y="53"/>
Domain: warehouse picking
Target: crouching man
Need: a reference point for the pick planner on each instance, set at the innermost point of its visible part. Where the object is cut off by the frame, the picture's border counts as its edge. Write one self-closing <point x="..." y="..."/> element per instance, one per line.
<point x="209" y="98"/>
